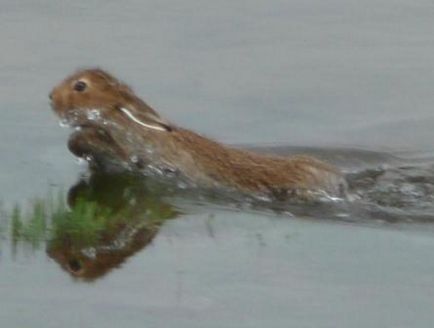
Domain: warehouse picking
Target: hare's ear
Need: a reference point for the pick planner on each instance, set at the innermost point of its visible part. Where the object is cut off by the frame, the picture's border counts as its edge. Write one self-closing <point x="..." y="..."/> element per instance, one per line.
<point x="146" y="119"/>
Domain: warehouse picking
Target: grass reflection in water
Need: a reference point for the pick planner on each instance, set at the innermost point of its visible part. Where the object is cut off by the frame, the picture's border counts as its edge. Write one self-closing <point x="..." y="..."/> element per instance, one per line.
<point x="107" y="219"/>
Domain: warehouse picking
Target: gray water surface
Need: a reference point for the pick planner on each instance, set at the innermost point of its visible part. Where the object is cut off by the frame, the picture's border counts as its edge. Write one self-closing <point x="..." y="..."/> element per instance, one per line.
<point x="350" y="81"/>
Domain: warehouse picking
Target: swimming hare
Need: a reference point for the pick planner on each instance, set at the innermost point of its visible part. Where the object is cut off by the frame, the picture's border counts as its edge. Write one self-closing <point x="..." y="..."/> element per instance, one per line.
<point x="113" y="117"/>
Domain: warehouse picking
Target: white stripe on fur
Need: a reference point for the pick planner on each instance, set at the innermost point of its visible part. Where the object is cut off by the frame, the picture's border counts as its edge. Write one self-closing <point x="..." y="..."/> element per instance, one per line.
<point x="132" y="117"/>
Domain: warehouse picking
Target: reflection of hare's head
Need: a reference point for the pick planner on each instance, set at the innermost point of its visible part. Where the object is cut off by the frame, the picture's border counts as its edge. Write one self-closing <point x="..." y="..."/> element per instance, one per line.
<point x="100" y="260"/>
<point x="111" y="217"/>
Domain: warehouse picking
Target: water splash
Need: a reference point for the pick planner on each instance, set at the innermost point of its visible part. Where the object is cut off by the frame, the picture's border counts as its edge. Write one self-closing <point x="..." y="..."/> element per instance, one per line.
<point x="64" y="123"/>
<point x="81" y="161"/>
<point x="182" y="185"/>
<point x="93" y="115"/>
<point x="134" y="159"/>
<point x="398" y="193"/>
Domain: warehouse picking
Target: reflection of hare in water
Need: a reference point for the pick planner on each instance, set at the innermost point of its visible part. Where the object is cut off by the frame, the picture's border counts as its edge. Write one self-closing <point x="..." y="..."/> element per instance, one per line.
<point x="94" y="100"/>
<point x="117" y="218"/>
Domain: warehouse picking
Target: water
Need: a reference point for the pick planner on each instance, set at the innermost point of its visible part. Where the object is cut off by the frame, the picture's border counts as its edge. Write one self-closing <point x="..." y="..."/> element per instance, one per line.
<point x="348" y="81"/>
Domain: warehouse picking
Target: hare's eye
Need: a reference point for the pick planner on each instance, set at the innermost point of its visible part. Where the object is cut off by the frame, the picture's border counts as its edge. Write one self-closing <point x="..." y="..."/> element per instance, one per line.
<point x="80" y="86"/>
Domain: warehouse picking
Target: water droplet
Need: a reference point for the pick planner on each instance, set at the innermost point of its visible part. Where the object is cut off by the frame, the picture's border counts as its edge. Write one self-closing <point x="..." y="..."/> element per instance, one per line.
<point x="134" y="159"/>
<point x="64" y="123"/>
<point x="149" y="150"/>
<point x="81" y="161"/>
<point x="89" y="252"/>
<point x="93" y="114"/>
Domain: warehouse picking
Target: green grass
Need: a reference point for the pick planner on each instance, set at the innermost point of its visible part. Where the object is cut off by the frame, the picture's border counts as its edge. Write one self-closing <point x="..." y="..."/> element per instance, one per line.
<point x="32" y="227"/>
<point x="94" y="209"/>
<point x="85" y="223"/>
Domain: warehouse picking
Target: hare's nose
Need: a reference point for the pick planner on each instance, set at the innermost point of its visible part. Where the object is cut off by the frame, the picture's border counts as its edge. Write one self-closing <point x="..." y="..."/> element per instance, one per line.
<point x="51" y="95"/>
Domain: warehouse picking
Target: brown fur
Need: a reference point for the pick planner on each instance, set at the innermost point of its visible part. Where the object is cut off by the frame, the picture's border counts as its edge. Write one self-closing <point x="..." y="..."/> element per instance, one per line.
<point x="202" y="160"/>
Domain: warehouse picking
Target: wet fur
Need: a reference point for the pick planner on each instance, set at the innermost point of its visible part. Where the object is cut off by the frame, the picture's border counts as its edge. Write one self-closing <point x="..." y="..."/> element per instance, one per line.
<point x="202" y="160"/>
